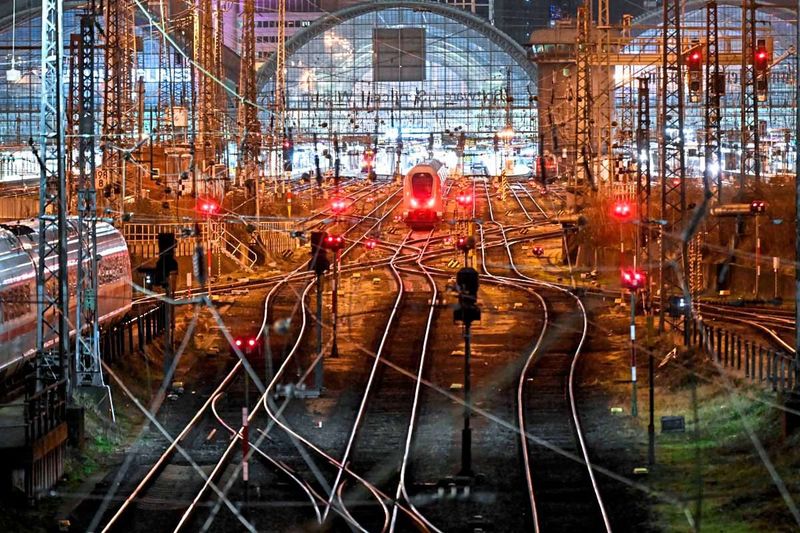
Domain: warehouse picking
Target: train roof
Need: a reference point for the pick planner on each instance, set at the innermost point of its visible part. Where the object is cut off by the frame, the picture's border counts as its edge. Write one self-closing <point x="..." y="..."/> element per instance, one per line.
<point x="434" y="163"/>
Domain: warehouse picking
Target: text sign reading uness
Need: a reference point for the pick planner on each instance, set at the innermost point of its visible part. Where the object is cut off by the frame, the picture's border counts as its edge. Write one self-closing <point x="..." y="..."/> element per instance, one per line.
<point x="398" y="54"/>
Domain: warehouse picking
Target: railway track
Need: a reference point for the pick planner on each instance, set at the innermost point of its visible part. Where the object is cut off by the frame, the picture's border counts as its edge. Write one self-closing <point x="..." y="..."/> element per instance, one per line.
<point x="563" y="493"/>
<point x="778" y="330"/>
<point x="364" y="496"/>
<point x="194" y="427"/>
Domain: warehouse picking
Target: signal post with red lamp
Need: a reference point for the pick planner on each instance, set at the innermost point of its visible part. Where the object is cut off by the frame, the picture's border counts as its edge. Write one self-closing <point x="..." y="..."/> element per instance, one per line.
<point x="623" y="211"/>
<point x="334" y="243"/>
<point x="694" y="64"/>
<point x="319" y="264"/>
<point x="465" y="244"/>
<point x="761" y="63"/>
<point x="249" y="346"/>
<point x="339" y="206"/>
<point x="208" y="207"/>
<point x="633" y="280"/>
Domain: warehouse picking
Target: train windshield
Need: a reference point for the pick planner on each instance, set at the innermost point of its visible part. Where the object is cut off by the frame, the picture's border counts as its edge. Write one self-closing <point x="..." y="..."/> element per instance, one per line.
<point x="422" y="185"/>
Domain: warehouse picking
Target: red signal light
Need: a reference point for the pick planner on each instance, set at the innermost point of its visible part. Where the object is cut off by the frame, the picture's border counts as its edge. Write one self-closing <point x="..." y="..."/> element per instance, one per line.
<point x="538" y="251"/>
<point x="334" y="242"/>
<point x="758" y="207"/>
<point x="622" y="210"/>
<point x="338" y="205"/>
<point x="370" y="244"/>
<point x="209" y="207"/>
<point x="465" y="243"/>
<point x="632" y="279"/>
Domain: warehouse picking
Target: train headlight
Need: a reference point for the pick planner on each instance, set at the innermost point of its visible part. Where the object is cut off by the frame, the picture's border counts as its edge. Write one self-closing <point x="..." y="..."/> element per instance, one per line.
<point x="431" y="202"/>
<point x="414" y="203"/>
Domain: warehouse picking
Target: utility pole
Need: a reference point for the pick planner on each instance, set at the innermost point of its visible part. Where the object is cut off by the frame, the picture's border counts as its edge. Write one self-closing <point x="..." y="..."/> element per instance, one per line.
<point x="715" y="86"/>
<point x="87" y="336"/>
<point x="279" y="111"/>
<point x="751" y="157"/>
<point x="606" y="104"/>
<point x="581" y="174"/>
<point x="674" y="249"/>
<point x="208" y="129"/>
<point x="118" y="113"/>
<point x="643" y="187"/>
<point x="319" y="264"/>
<point x="166" y="90"/>
<point x="52" y="285"/>
<point x="249" y="125"/>
<point x="467" y="312"/>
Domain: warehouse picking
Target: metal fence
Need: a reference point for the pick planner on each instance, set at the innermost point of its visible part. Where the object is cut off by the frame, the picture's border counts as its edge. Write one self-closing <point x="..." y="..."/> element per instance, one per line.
<point x="753" y="361"/>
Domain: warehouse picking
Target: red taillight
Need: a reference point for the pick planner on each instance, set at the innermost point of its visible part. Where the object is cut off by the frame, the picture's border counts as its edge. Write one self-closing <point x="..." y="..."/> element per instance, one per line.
<point x="238" y="342"/>
<point x="251" y="342"/>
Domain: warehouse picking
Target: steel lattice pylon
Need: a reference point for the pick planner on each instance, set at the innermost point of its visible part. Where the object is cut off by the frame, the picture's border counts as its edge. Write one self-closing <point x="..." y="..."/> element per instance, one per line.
<point x="674" y="257"/>
<point x="250" y="127"/>
<point x="583" y="102"/>
<point x="751" y="160"/>
<point x="87" y="349"/>
<point x="219" y="68"/>
<point x="643" y="177"/>
<point x="713" y="115"/>
<point x="166" y="90"/>
<point x="73" y="119"/>
<point x="119" y="110"/>
<point x="206" y="88"/>
<point x="279" y="109"/>
<point x="627" y="113"/>
<point x="52" y="285"/>
<point x="605" y="100"/>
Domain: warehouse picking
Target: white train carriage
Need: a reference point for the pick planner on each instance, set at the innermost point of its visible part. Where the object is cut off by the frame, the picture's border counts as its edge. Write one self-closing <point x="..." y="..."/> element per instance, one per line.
<point x="18" y="265"/>
<point x="423" y="191"/>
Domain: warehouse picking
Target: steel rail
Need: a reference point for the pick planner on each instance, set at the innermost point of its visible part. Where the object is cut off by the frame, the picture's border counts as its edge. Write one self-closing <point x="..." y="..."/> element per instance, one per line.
<point x="370" y="380"/>
<point x="265" y="395"/>
<point x="573" y="365"/>
<point x="401" y="487"/>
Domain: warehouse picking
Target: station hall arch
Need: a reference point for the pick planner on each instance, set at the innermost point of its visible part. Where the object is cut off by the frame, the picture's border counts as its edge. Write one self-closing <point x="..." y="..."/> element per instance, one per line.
<point x="404" y="68"/>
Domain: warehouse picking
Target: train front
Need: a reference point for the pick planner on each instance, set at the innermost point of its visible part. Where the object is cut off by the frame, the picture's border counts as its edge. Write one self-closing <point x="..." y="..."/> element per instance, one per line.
<point x="422" y="198"/>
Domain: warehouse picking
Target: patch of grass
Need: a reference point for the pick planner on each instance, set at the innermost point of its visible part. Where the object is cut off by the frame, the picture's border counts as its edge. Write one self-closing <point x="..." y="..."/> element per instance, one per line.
<point x="714" y="469"/>
<point x="103" y="444"/>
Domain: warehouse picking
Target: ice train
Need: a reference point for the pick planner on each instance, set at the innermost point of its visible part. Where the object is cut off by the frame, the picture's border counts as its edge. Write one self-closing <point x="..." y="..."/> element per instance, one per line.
<point x="423" y="194"/>
<point x="18" y="265"/>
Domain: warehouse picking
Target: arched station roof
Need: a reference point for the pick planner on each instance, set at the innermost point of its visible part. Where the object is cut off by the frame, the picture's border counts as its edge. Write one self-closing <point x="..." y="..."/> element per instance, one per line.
<point x="784" y="9"/>
<point x="443" y="70"/>
<point x="332" y="20"/>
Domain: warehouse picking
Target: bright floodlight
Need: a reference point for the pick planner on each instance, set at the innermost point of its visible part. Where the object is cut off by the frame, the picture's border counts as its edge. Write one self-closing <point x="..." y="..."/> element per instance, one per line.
<point x="506" y="133"/>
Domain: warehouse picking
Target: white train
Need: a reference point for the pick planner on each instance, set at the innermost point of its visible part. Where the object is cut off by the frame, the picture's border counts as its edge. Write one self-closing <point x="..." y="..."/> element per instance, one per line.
<point x="18" y="262"/>
<point x="423" y="194"/>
